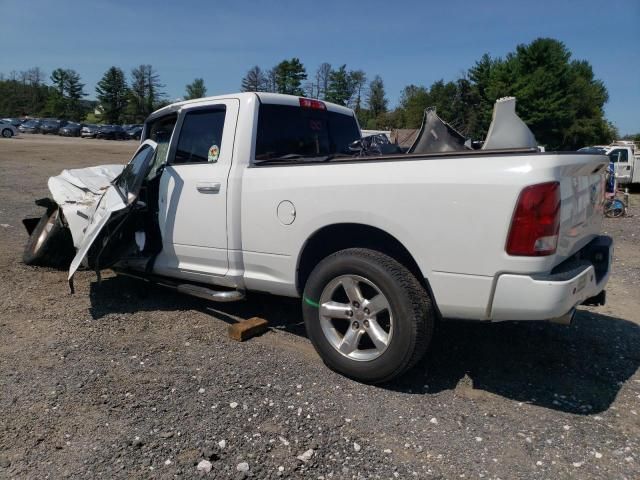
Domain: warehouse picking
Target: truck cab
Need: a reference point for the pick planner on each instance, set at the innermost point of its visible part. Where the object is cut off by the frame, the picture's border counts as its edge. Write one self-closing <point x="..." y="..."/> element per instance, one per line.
<point x="625" y="158"/>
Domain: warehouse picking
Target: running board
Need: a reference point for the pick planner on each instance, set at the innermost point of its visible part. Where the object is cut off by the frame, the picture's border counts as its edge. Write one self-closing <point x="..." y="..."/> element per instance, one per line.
<point x="188" y="288"/>
<point x="209" y="294"/>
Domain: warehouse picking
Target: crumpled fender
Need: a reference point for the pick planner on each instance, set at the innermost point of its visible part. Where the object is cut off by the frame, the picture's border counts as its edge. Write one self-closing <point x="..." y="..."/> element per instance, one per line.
<point x="76" y="191"/>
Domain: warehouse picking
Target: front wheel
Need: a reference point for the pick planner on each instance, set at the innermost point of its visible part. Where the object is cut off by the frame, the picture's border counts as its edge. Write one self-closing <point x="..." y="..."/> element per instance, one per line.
<point x="367" y="315"/>
<point x="7" y="133"/>
<point x="50" y="243"/>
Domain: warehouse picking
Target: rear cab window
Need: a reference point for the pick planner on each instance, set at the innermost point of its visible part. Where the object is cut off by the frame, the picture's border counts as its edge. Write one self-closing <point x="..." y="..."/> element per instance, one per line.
<point x="290" y="132"/>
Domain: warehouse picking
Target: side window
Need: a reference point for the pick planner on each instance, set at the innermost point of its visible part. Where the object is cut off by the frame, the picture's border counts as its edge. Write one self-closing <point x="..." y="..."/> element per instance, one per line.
<point x="200" y="138"/>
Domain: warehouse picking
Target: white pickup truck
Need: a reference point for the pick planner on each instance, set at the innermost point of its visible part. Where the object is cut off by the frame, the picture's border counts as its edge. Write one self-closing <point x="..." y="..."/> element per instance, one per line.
<point x="265" y="192"/>
<point x="626" y="161"/>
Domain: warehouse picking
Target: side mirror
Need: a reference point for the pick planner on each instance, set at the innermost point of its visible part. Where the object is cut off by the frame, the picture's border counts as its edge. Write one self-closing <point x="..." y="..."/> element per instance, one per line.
<point x="356" y="146"/>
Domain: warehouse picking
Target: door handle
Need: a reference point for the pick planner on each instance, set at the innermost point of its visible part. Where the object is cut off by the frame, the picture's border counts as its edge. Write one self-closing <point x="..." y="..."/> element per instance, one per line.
<point x="208" y="187"/>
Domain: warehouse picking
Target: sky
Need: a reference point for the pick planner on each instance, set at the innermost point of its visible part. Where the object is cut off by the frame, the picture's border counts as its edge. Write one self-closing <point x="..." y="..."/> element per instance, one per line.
<point x="405" y="42"/>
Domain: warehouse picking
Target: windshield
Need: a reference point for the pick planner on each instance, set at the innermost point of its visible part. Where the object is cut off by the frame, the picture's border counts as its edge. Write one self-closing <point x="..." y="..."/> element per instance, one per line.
<point x="160" y="130"/>
<point x="294" y="132"/>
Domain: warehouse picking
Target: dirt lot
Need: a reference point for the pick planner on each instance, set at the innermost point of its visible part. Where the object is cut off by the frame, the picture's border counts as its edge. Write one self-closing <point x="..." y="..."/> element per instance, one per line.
<point x="123" y="380"/>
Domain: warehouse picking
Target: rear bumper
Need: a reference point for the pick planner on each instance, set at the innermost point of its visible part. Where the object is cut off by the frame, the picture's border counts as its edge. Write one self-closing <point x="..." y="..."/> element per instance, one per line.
<point x="553" y="295"/>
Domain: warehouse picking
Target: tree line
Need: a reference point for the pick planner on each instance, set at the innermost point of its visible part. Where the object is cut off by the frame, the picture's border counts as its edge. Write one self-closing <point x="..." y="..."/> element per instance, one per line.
<point x="557" y="96"/>
<point x="337" y="85"/>
<point x="118" y="101"/>
<point x="23" y="93"/>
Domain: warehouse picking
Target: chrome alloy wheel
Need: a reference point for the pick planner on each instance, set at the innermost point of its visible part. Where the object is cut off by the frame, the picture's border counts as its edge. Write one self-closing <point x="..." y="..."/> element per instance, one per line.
<point x="355" y="317"/>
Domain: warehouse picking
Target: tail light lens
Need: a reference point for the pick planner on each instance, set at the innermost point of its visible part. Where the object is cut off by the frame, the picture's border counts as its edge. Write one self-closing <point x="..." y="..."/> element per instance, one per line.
<point x="536" y="221"/>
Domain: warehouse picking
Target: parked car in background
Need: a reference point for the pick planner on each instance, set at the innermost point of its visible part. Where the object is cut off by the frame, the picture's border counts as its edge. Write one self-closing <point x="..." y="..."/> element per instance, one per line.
<point x="51" y="125"/>
<point x="30" y="126"/>
<point x="71" y="129"/>
<point x="16" y="122"/>
<point x="7" y="130"/>
<point x="135" y="132"/>
<point x="111" y="132"/>
<point x="89" y="131"/>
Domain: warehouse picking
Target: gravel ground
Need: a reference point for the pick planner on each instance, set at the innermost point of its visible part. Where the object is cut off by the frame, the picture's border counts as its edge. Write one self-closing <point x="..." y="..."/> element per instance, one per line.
<point x="122" y="380"/>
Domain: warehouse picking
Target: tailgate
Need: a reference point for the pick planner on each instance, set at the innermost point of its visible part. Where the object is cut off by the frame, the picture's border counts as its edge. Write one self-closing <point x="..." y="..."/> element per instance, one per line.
<point x="582" y="192"/>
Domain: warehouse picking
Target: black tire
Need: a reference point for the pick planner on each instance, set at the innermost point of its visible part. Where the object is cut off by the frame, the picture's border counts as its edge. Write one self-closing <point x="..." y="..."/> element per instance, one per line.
<point x="409" y="303"/>
<point x="50" y="244"/>
<point x="7" y="133"/>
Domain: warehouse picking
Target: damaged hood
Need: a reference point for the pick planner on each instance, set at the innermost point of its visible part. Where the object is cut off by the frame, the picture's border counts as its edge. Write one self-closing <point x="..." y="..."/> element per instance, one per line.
<point x="81" y="185"/>
<point x="77" y="192"/>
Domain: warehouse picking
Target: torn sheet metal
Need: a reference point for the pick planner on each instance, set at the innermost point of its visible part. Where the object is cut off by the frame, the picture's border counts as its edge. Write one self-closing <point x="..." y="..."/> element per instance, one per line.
<point x="436" y="135"/>
<point x="112" y="202"/>
<point x="77" y="192"/>
<point x="109" y="203"/>
<point x="507" y="130"/>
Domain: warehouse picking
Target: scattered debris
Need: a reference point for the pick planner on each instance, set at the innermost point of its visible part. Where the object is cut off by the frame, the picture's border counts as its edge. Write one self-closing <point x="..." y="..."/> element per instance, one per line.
<point x="306" y="456"/>
<point x="204" y="466"/>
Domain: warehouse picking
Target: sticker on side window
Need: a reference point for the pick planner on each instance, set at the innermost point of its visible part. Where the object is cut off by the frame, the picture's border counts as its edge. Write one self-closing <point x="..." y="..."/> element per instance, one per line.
<point x="214" y="153"/>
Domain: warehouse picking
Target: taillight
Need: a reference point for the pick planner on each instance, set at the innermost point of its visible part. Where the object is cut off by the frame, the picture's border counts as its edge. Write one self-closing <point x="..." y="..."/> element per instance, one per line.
<point x="536" y="221"/>
<point x="313" y="104"/>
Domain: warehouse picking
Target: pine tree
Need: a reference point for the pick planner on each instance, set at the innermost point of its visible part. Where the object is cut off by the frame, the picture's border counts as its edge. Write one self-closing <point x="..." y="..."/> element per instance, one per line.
<point x="112" y="93"/>
<point x="254" y="81"/>
<point x="145" y="94"/>
<point x="196" y="89"/>
<point x="358" y="80"/>
<point x="64" y="101"/>
<point x="74" y="93"/>
<point x="322" y="80"/>
<point x="340" y="87"/>
<point x="376" y="100"/>
<point x="289" y="75"/>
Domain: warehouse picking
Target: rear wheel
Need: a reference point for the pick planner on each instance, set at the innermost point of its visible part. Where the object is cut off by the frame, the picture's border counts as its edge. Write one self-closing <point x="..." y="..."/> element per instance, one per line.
<point x="7" y="133"/>
<point x="50" y="243"/>
<point x="367" y="315"/>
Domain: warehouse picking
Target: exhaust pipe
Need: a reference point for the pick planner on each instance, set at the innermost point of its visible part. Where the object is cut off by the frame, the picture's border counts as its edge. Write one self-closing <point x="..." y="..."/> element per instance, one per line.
<point x="565" y="319"/>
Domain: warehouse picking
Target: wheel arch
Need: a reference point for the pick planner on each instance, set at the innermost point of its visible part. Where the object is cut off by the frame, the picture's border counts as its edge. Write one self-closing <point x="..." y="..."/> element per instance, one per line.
<point x="339" y="236"/>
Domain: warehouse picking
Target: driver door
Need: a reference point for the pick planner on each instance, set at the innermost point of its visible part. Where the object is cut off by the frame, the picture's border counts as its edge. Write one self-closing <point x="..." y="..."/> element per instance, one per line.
<point x="193" y="193"/>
